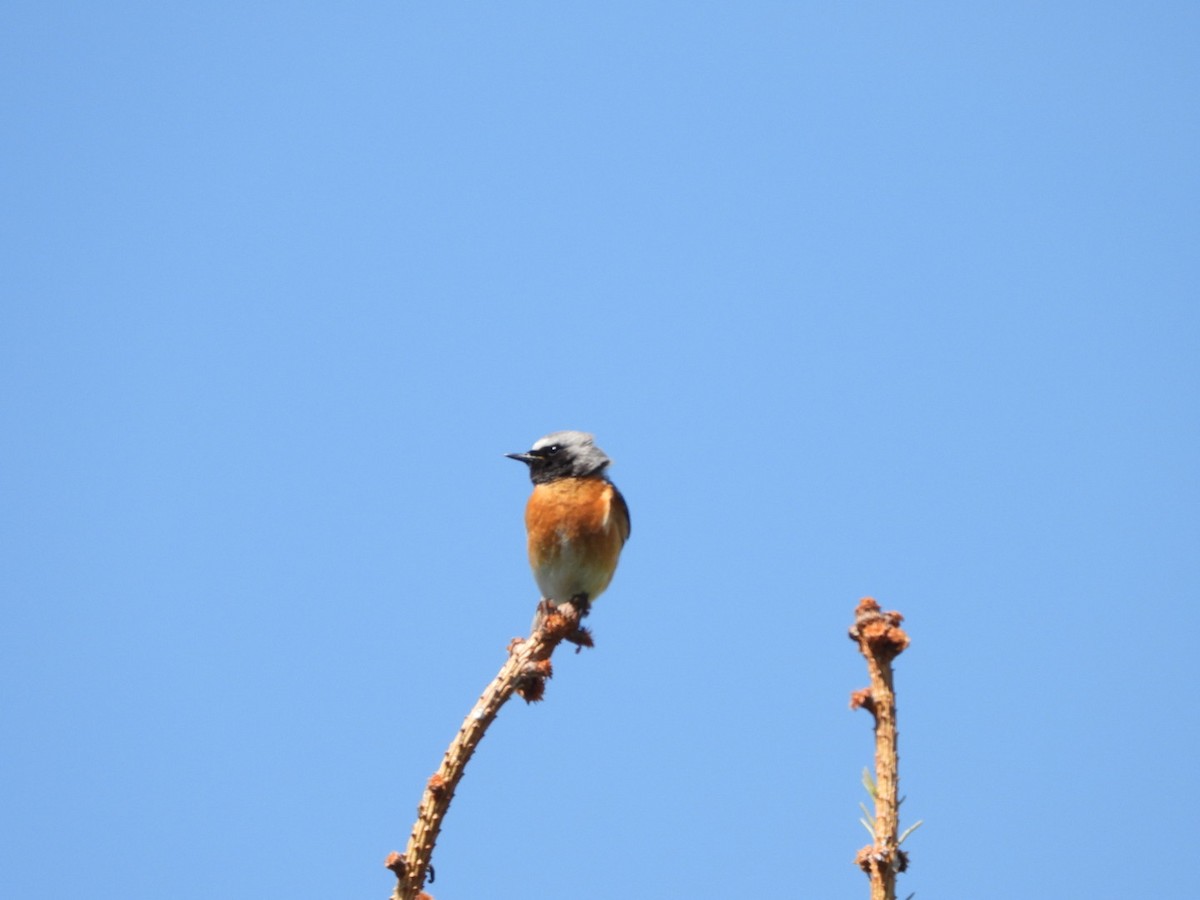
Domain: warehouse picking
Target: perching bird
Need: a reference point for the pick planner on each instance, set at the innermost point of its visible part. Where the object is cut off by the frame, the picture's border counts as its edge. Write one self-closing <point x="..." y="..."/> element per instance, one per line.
<point x="576" y="518"/>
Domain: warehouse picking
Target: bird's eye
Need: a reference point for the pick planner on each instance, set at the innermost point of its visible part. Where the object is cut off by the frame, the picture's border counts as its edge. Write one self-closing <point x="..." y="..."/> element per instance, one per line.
<point x="552" y="449"/>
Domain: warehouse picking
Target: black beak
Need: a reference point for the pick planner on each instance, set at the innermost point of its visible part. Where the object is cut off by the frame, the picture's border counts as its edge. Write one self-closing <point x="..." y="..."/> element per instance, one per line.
<point x="526" y="458"/>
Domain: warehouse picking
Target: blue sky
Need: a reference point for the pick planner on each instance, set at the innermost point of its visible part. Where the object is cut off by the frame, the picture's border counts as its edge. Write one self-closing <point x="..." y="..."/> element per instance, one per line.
<point x="863" y="299"/>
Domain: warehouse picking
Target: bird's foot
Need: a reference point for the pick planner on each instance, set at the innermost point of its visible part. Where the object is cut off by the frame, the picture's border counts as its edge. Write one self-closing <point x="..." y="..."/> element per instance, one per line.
<point x="582" y="603"/>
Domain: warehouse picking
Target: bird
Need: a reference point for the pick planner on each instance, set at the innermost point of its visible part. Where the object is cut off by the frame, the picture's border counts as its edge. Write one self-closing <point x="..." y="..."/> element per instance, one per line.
<point x="576" y="519"/>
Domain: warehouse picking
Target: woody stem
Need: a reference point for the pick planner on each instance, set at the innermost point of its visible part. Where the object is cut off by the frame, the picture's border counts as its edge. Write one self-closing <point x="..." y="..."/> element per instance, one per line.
<point x="881" y="640"/>
<point x="524" y="672"/>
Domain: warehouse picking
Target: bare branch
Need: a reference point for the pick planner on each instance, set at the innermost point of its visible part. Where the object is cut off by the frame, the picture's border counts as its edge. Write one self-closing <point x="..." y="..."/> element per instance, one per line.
<point x="881" y="639"/>
<point x="524" y="673"/>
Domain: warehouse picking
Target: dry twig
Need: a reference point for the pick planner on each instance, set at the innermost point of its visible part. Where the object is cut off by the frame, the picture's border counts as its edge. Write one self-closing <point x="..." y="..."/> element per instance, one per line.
<point x="524" y="673"/>
<point x="881" y="639"/>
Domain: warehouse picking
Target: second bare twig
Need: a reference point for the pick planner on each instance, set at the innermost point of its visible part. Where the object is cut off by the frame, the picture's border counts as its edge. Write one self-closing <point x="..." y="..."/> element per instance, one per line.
<point x="881" y="639"/>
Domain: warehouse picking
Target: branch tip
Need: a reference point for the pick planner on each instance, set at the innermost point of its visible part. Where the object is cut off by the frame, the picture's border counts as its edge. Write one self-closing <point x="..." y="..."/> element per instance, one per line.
<point x="876" y="632"/>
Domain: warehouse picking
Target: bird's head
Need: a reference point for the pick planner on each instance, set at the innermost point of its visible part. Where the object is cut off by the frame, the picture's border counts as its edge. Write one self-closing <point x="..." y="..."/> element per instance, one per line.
<point x="563" y="454"/>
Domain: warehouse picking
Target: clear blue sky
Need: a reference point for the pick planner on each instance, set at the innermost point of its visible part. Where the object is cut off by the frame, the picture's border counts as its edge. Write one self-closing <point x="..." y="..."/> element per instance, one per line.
<point x="863" y="298"/>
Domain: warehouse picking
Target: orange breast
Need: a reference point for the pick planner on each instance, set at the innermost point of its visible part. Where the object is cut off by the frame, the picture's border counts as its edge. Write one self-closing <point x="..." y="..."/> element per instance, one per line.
<point x="577" y="527"/>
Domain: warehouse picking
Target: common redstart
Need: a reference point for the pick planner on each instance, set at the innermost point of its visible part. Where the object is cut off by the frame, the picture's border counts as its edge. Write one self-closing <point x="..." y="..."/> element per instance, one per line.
<point x="576" y="518"/>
